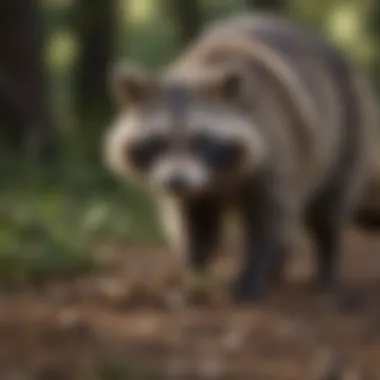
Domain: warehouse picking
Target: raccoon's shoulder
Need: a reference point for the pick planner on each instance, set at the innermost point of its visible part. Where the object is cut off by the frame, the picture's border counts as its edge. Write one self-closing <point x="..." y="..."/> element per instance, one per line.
<point x="287" y="38"/>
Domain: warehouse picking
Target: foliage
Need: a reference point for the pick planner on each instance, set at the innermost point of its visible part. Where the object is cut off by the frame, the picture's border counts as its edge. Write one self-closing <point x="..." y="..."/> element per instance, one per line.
<point x="50" y="227"/>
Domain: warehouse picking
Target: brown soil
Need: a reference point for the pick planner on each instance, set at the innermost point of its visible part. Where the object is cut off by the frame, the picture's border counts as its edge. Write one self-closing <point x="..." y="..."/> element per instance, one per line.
<point x="105" y="328"/>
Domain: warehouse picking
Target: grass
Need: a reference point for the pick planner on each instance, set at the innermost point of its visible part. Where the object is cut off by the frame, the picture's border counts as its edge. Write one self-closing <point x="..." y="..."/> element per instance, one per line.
<point x="124" y="371"/>
<point x="52" y="227"/>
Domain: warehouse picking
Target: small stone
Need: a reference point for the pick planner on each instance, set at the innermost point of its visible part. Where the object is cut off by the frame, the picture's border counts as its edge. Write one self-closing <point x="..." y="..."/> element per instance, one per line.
<point x="174" y="299"/>
<point x="177" y="367"/>
<point x="233" y="341"/>
<point x="72" y="321"/>
<point x="328" y="366"/>
<point x="210" y="368"/>
<point x="147" y="326"/>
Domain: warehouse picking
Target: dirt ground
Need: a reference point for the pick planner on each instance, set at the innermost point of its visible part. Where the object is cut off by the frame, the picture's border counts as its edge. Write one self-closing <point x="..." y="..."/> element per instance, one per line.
<point x="100" y="328"/>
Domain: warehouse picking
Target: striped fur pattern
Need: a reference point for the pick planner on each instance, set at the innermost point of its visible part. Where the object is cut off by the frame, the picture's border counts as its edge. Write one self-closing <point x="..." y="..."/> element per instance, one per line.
<point x="300" y="120"/>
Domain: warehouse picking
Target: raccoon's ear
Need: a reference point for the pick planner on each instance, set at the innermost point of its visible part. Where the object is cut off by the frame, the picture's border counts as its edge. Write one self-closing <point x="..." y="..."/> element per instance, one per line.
<point x="129" y="84"/>
<point x="231" y="84"/>
<point x="226" y="83"/>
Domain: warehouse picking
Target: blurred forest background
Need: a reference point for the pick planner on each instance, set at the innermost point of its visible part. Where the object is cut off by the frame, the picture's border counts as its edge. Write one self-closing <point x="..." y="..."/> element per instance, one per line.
<point x="57" y="202"/>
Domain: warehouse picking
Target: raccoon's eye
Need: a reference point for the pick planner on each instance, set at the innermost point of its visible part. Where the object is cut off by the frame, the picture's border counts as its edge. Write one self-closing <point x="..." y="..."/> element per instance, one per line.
<point x="145" y="151"/>
<point x="217" y="153"/>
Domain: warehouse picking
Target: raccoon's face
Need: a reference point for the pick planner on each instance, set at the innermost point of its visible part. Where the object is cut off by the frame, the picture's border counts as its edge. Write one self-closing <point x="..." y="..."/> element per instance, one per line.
<point x="184" y="137"/>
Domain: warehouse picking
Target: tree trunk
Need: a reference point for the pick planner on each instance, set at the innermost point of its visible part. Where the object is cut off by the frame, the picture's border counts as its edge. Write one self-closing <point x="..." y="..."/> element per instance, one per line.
<point x="96" y="23"/>
<point x="265" y="5"/>
<point x="373" y="21"/>
<point x="24" y="110"/>
<point x="188" y="17"/>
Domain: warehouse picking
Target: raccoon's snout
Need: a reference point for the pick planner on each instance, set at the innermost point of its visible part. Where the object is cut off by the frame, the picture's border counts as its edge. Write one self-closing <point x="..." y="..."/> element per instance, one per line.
<point x="179" y="176"/>
<point x="177" y="185"/>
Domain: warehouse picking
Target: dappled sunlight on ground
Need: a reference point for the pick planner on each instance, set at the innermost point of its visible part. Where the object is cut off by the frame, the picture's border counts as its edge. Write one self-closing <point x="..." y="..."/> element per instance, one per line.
<point x="124" y="325"/>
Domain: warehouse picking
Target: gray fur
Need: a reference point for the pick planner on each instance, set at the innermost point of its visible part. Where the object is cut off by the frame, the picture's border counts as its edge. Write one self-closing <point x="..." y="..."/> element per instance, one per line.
<point x="309" y="143"/>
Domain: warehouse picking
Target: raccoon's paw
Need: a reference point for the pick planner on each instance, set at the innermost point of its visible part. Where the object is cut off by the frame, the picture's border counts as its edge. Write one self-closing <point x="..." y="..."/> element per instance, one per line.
<point x="325" y="284"/>
<point x="203" y="289"/>
<point x="247" y="291"/>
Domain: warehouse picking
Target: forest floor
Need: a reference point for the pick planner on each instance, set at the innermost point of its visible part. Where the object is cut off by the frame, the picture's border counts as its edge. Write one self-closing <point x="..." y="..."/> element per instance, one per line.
<point x="92" y="328"/>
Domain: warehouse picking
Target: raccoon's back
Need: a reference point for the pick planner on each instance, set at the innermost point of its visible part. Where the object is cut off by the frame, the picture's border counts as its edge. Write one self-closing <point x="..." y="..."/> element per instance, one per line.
<point x="297" y="76"/>
<point x="320" y="108"/>
<point x="313" y="60"/>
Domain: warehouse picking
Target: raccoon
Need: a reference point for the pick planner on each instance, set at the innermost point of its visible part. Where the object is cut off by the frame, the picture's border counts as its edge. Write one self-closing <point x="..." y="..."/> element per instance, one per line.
<point x="367" y="216"/>
<point x="259" y="115"/>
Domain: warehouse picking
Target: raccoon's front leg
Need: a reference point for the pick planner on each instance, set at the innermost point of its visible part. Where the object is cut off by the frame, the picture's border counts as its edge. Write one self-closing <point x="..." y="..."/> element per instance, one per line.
<point x="202" y="223"/>
<point x="192" y="227"/>
<point x="259" y="266"/>
<point x="265" y="223"/>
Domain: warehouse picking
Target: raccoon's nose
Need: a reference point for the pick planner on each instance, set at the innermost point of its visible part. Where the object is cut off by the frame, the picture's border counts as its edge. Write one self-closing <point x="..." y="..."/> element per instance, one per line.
<point x="177" y="185"/>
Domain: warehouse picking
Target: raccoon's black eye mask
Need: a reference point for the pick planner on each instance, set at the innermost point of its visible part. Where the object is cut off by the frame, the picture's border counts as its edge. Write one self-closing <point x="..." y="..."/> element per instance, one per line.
<point x="142" y="153"/>
<point x="218" y="154"/>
